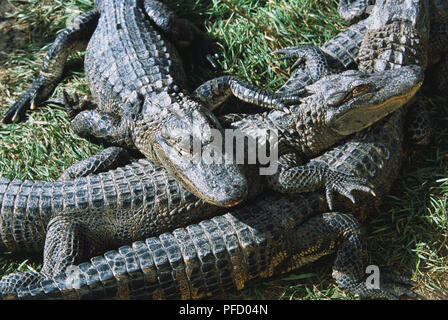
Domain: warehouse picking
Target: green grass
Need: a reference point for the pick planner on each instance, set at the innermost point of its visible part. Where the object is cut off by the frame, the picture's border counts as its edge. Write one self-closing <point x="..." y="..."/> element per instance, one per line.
<point x="409" y="231"/>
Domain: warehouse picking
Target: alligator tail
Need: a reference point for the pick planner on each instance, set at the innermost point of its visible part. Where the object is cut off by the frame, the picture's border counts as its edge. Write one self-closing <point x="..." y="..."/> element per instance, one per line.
<point x="25" y="209"/>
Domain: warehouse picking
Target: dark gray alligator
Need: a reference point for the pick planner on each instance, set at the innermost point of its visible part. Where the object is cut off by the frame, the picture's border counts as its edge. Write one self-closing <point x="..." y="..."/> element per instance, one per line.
<point x="374" y="154"/>
<point x="81" y="217"/>
<point x="366" y="45"/>
<point x="197" y="260"/>
<point x="137" y="79"/>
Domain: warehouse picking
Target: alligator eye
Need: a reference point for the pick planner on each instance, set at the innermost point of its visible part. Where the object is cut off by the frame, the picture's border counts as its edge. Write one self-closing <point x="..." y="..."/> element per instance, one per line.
<point x="339" y="98"/>
<point x="361" y="89"/>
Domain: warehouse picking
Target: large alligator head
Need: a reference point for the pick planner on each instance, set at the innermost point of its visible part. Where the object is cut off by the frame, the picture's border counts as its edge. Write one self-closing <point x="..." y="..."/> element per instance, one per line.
<point x="174" y="131"/>
<point x="341" y="104"/>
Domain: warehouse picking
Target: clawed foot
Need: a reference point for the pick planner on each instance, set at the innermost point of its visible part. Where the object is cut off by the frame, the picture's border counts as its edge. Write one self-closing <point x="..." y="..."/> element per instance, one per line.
<point x="72" y="104"/>
<point x="301" y="53"/>
<point x="294" y="52"/>
<point x="30" y="100"/>
<point x="281" y="102"/>
<point x="345" y="184"/>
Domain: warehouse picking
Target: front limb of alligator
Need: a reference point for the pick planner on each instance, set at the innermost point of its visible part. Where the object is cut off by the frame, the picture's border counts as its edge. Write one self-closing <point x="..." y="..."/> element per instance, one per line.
<point x="226" y="252"/>
<point x="214" y="92"/>
<point x="102" y="128"/>
<point x="295" y="177"/>
<point x="73" y="38"/>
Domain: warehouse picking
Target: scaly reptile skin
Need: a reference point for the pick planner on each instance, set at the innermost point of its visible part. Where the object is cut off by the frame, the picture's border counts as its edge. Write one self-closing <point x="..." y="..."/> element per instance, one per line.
<point x="367" y="162"/>
<point x="272" y="235"/>
<point x="136" y="76"/>
<point x="396" y="34"/>
<point x="438" y="34"/>
<point x="223" y="253"/>
<point x="76" y="218"/>
<point x="170" y="266"/>
<point x="268" y="237"/>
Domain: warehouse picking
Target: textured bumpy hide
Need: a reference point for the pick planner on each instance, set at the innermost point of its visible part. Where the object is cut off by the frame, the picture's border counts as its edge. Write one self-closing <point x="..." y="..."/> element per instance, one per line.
<point x="392" y="46"/>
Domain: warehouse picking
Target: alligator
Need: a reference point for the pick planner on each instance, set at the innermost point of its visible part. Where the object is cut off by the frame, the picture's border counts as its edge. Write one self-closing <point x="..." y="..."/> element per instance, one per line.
<point x="274" y="234"/>
<point x="76" y="218"/>
<point x="136" y="77"/>
<point x="374" y="153"/>
<point x="224" y="253"/>
<point x="365" y="45"/>
<point x="227" y="251"/>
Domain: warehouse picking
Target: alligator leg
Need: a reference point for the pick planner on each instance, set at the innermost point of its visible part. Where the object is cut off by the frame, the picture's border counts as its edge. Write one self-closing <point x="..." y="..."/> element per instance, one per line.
<point x="215" y="91"/>
<point x="183" y="33"/>
<point x="349" y="266"/>
<point x="64" y="246"/>
<point x="108" y="159"/>
<point x="292" y="177"/>
<point x="101" y="128"/>
<point x="75" y="37"/>
<point x="314" y="58"/>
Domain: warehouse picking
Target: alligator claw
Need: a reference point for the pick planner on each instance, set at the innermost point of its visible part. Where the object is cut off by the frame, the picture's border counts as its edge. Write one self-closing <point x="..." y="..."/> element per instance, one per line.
<point x="345" y="184"/>
<point x="16" y="113"/>
<point x="73" y="105"/>
<point x="313" y="58"/>
<point x="207" y="52"/>
<point x="29" y="100"/>
<point x="290" y="53"/>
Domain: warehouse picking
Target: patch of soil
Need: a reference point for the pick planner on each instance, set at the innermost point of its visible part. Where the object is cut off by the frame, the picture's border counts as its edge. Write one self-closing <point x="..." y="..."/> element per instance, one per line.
<point x="12" y="34"/>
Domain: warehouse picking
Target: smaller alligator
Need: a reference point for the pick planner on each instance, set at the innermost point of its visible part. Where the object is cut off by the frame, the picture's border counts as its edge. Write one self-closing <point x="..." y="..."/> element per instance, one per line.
<point x="307" y="129"/>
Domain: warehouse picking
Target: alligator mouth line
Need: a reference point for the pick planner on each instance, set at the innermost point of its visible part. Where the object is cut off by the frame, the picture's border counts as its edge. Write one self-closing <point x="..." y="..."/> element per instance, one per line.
<point x="206" y="198"/>
<point x="396" y="100"/>
<point x="210" y="199"/>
